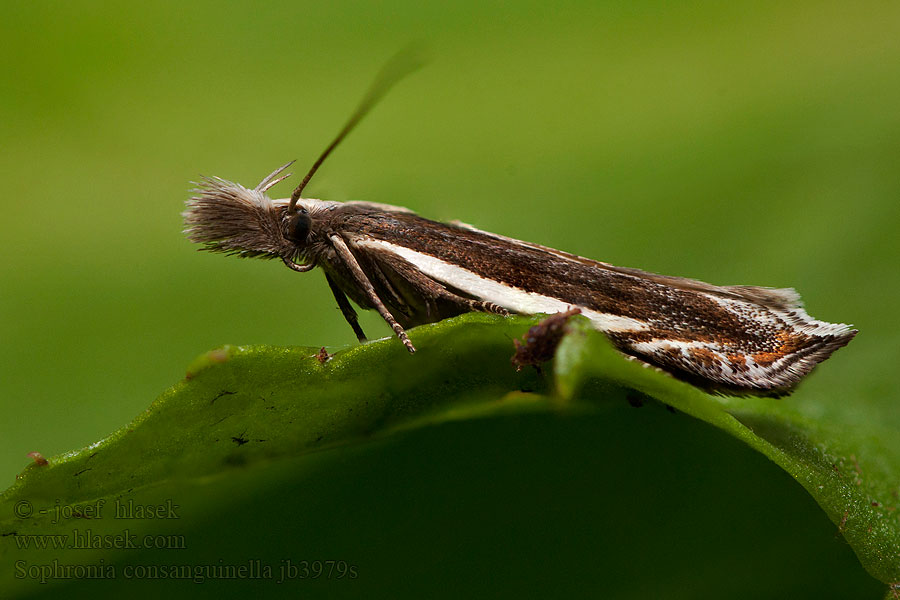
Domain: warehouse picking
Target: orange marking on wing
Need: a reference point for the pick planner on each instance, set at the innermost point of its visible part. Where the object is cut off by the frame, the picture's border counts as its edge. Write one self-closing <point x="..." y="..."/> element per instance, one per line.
<point x="788" y="344"/>
<point x="738" y="362"/>
<point x="705" y="357"/>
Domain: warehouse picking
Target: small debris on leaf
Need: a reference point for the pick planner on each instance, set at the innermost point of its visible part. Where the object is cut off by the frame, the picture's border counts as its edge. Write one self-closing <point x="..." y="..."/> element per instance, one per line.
<point x="540" y="343"/>
<point x="323" y="356"/>
<point x="39" y="459"/>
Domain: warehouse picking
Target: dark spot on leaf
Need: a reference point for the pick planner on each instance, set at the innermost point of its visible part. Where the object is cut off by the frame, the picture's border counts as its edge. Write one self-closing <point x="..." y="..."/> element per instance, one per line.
<point x="843" y="521"/>
<point x="82" y="471"/>
<point x="240" y="440"/>
<point x="222" y="393"/>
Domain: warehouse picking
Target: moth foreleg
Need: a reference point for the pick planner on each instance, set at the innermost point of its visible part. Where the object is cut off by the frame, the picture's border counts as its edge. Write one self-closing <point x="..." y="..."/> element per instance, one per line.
<point x="346" y="308"/>
<point x="385" y="285"/>
<point x="437" y="291"/>
<point x="359" y="275"/>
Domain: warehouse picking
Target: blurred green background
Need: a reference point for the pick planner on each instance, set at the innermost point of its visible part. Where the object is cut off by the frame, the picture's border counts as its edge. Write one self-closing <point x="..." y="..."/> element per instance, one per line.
<point x="738" y="143"/>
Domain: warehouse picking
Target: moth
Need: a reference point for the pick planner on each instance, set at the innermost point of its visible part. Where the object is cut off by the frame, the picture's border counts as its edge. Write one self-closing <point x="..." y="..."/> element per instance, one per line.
<point x="413" y="270"/>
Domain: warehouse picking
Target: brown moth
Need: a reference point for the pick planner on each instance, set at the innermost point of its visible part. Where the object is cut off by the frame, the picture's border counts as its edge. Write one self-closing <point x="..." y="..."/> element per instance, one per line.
<point x="412" y="270"/>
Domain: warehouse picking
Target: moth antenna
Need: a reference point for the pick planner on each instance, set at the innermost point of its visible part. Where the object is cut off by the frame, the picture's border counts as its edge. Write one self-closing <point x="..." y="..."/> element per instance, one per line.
<point x="398" y="66"/>
<point x="270" y="180"/>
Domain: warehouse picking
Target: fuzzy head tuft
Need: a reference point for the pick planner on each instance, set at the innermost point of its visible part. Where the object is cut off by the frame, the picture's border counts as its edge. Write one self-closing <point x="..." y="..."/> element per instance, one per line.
<point x="227" y="217"/>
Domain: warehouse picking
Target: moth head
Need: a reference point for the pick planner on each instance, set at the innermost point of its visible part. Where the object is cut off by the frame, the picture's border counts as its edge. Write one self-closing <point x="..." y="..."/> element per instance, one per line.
<point x="227" y="217"/>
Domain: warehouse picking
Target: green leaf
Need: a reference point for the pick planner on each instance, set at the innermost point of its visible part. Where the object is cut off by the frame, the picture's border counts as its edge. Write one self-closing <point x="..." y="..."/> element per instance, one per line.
<point x="829" y="461"/>
<point x="243" y="405"/>
<point x="268" y="441"/>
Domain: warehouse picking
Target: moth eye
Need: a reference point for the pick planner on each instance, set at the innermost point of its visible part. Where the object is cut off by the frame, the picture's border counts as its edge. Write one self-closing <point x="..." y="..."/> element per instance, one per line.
<point x="298" y="228"/>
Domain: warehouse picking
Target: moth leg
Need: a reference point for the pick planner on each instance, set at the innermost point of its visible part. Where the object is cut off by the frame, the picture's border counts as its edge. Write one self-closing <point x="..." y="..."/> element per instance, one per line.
<point x="411" y="273"/>
<point x="395" y="298"/>
<point x="359" y="275"/>
<point x="346" y="308"/>
<point x="490" y="307"/>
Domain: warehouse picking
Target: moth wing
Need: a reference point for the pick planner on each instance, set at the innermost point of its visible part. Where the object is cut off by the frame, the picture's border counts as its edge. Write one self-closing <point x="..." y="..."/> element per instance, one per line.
<point x="739" y="339"/>
<point x="775" y="298"/>
<point x="378" y="206"/>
